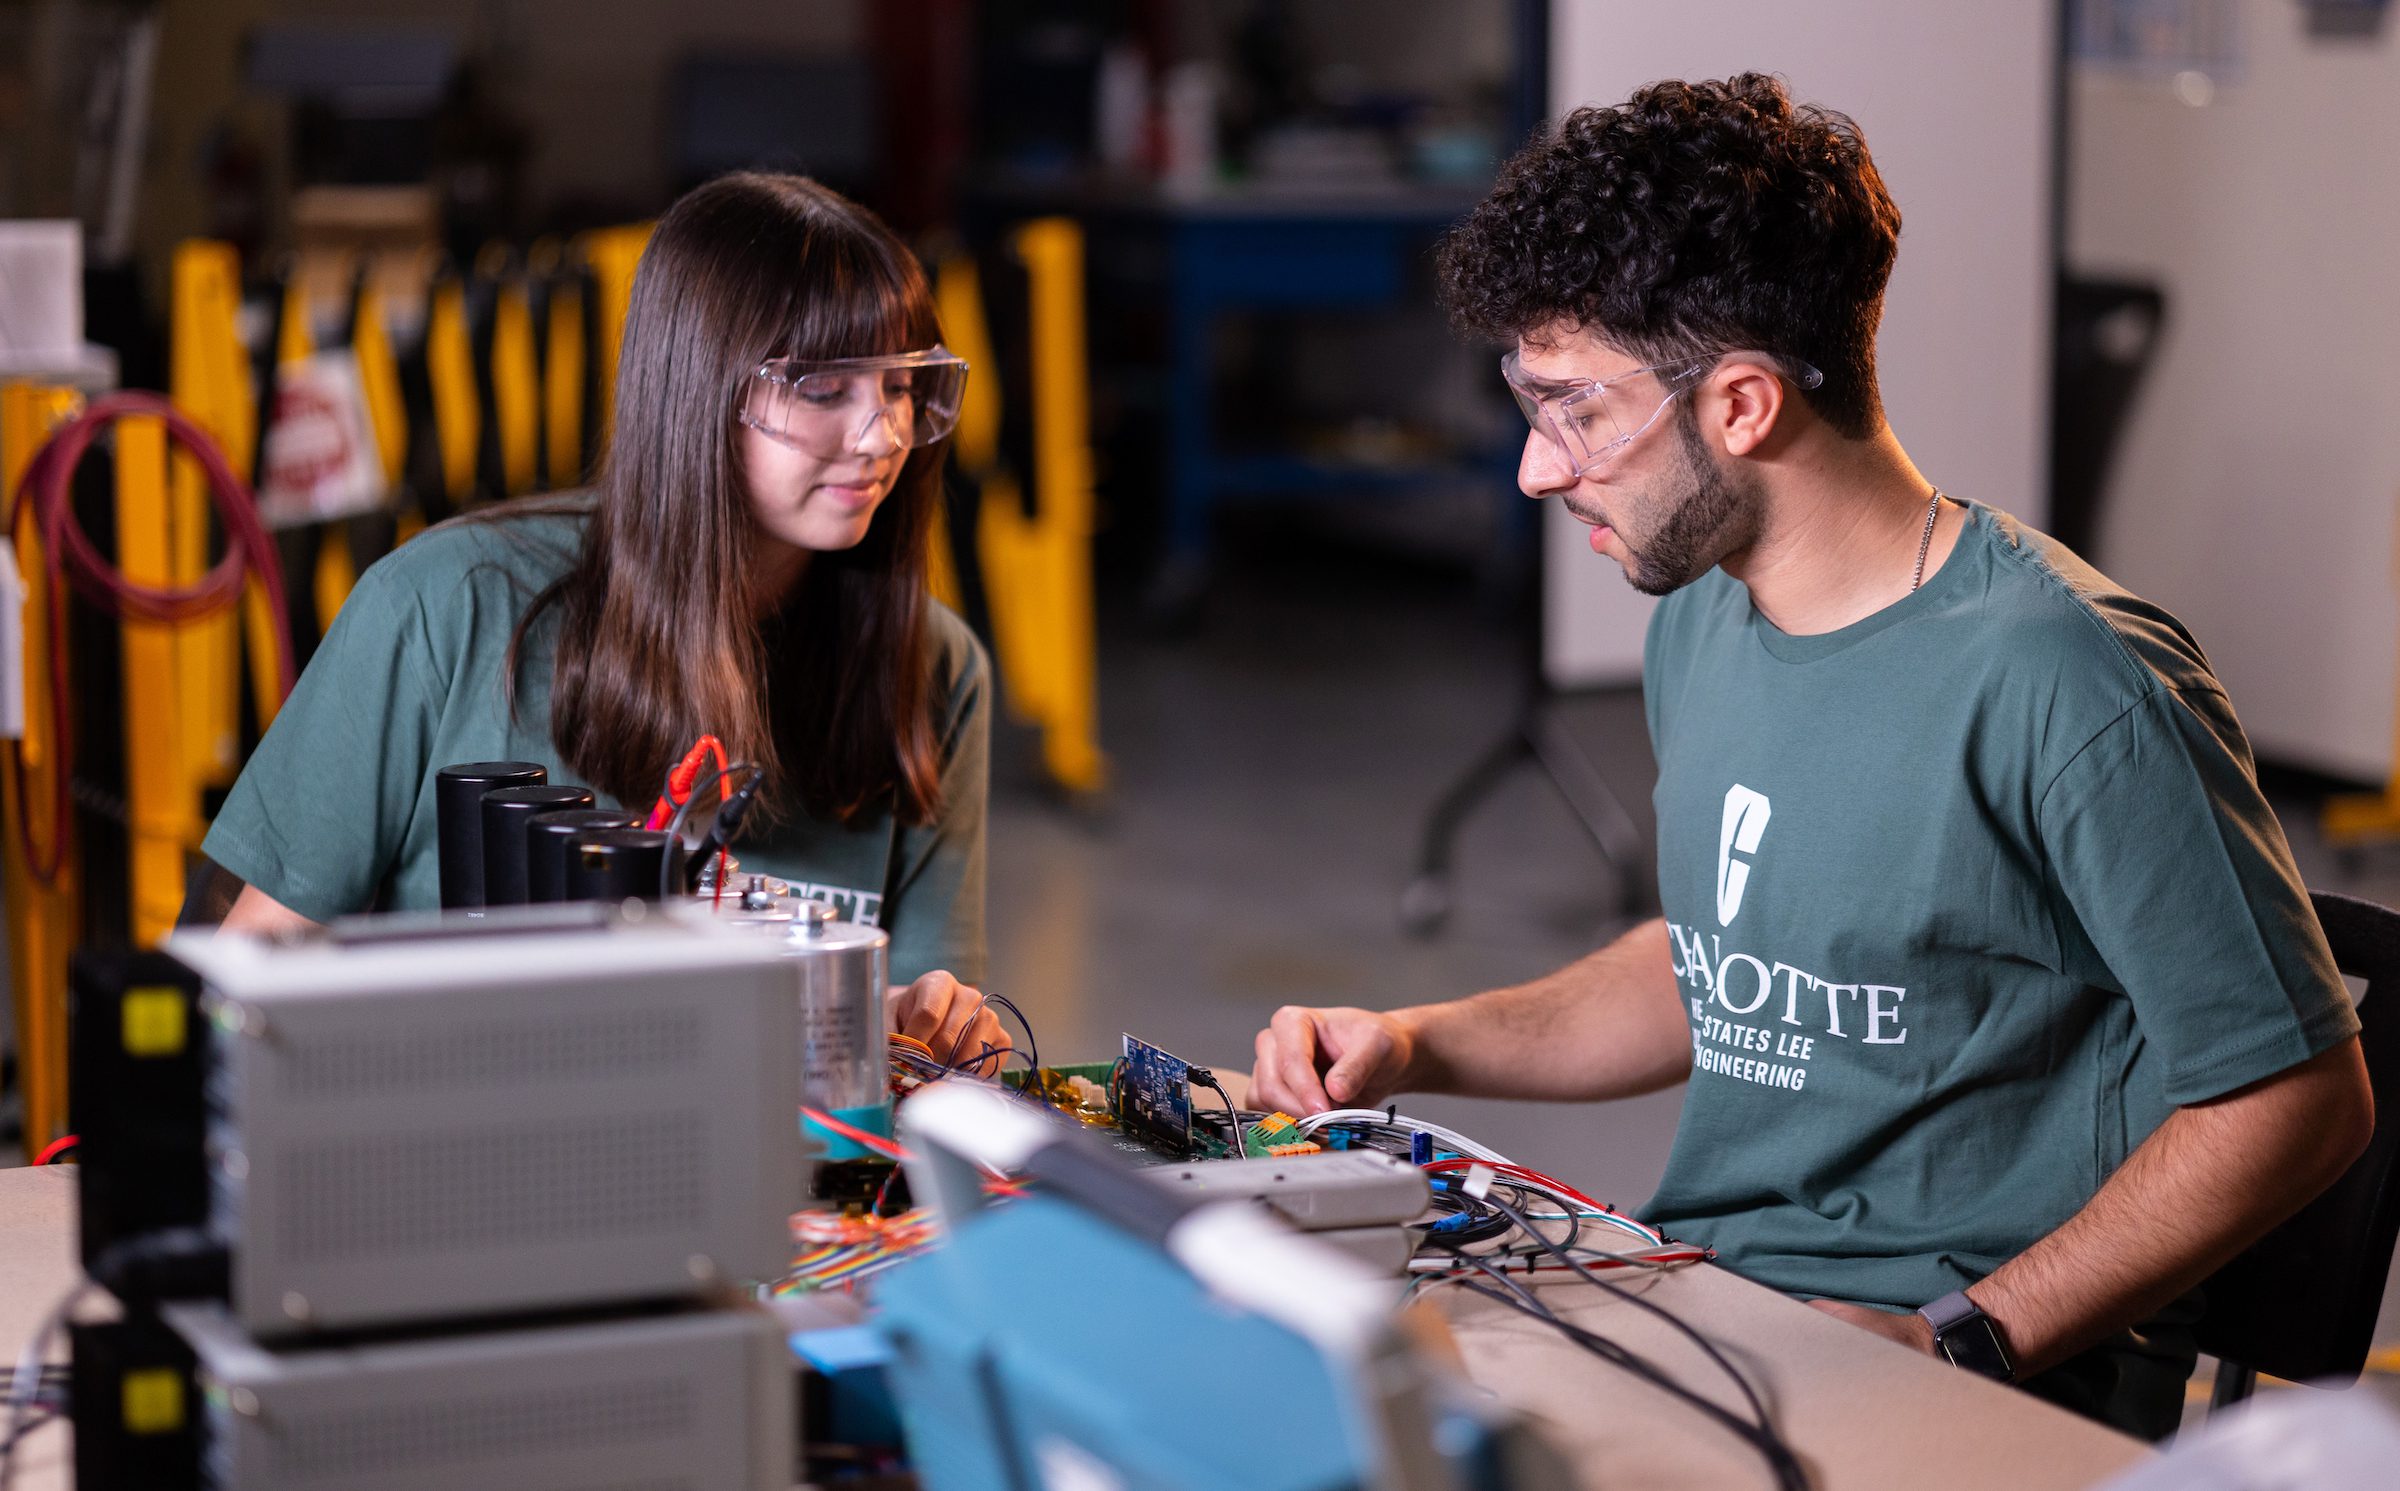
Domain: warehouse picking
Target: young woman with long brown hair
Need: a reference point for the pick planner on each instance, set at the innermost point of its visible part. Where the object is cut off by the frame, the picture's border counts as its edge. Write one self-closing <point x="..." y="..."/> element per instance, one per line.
<point x="750" y="563"/>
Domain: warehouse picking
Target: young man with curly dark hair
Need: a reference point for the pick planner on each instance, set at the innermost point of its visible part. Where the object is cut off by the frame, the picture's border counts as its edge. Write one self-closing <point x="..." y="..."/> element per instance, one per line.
<point x="2003" y="1010"/>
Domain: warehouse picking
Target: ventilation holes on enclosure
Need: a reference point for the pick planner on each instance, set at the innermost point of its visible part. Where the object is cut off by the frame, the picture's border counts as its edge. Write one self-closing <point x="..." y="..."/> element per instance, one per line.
<point x="493" y="1187"/>
<point x="476" y="1430"/>
<point x="574" y="1047"/>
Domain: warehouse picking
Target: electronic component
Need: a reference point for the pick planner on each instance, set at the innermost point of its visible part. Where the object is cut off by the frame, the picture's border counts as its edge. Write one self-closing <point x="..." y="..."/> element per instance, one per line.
<point x="458" y="821"/>
<point x="1208" y="1303"/>
<point x="701" y="1400"/>
<point x="1272" y="1134"/>
<point x="1359" y="1188"/>
<point x="618" y="864"/>
<point x="507" y="811"/>
<point x="134" y="1402"/>
<point x="1384" y="1249"/>
<point x="447" y="1121"/>
<point x="1154" y="1095"/>
<point x="547" y="839"/>
<point x="137" y="1059"/>
<point x="840" y="968"/>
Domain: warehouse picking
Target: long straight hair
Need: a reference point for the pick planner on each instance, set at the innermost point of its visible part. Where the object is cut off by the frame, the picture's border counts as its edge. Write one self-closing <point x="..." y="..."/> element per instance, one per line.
<point x="659" y="638"/>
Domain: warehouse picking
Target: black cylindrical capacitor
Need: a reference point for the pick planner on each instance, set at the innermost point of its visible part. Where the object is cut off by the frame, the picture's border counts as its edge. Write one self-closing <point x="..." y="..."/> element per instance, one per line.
<point x="458" y="820"/>
<point x="612" y="864"/>
<point x="550" y="836"/>
<point x="506" y="813"/>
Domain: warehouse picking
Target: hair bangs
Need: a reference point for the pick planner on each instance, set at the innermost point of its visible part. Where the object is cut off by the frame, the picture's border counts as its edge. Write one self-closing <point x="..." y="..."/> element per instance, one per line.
<point x="870" y="306"/>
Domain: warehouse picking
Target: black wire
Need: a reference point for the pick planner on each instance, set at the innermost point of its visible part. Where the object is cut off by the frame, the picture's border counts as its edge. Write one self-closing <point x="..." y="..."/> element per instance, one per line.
<point x="1031" y="1045"/>
<point x="1758" y="1409"/>
<point x="1788" y="1472"/>
<point x="1760" y="1436"/>
<point x="958" y="1043"/>
<point x="1233" y="1115"/>
<point x="1537" y="1241"/>
<point x="1485" y="1223"/>
<point x="666" y="860"/>
<point x="8" y="1447"/>
<point x="1004" y="1053"/>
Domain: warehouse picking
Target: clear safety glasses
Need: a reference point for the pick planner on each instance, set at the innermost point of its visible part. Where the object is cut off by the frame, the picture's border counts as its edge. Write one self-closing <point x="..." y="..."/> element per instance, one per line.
<point x="829" y="408"/>
<point x="1591" y="421"/>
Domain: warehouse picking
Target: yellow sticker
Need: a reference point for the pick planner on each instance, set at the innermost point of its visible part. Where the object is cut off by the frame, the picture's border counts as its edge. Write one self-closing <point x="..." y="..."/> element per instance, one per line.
<point x="153" y="1401"/>
<point x="154" y="1022"/>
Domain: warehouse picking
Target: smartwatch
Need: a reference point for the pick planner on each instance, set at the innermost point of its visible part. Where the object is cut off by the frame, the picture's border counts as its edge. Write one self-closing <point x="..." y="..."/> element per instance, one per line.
<point x="1968" y="1338"/>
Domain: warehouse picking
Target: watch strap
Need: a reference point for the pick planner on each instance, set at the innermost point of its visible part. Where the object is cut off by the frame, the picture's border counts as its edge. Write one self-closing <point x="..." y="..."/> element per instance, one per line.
<point x="1951" y="1310"/>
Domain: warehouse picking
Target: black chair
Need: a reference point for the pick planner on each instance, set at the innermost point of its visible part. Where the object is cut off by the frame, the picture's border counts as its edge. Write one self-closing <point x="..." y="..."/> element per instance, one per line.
<point x="2301" y="1302"/>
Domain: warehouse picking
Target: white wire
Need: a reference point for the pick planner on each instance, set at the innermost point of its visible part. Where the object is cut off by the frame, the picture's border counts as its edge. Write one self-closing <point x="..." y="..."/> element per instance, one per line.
<point x="1588" y="1213"/>
<point x="1377" y="1118"/>
<point x="27" y="1384"/>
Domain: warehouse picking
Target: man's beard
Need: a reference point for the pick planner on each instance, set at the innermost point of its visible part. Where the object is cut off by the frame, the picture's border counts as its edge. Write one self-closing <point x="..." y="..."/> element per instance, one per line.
<point x="1715" y="516"/>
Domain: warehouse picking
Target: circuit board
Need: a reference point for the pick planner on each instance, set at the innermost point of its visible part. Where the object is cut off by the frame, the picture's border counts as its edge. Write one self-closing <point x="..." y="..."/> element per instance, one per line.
<point x="1154" y="1095"/>
<point x="1165" y="1131"/>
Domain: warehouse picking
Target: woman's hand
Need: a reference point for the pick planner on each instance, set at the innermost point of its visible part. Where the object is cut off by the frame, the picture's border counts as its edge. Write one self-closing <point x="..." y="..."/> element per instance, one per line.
<point x="952" y="1020"/>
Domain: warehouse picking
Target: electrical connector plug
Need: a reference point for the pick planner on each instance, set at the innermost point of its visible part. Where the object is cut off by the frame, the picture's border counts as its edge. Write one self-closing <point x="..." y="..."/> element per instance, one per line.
<point x="1275" y="1129"/>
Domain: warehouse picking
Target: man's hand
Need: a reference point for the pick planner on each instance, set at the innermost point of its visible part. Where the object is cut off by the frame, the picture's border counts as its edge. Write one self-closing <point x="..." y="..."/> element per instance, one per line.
<point x="950" y="1018"/>
<point x="1911" y="1330"/>
<point x="1310" y="1060"/>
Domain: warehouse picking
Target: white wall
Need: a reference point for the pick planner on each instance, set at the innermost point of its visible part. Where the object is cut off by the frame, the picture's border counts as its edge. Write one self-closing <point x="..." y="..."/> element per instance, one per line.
<point x="2254" y="494"/>
<point x="1956" y="104"/>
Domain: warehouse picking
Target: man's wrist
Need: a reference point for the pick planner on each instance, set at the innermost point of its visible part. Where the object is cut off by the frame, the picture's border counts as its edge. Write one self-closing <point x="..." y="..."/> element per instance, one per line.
<point x="1416" y="1066"/>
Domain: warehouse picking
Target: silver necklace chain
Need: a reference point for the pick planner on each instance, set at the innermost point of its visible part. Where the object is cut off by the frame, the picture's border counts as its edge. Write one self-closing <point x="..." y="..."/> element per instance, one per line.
<point x="1933" y="510"/>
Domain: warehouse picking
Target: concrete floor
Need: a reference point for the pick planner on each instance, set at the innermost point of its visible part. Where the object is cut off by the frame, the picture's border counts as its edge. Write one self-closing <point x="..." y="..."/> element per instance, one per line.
<point x="1271" y="776"/>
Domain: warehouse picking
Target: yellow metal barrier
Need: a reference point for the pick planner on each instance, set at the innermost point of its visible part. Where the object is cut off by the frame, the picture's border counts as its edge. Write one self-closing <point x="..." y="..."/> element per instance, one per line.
<point x="209" y="379"/>
<point x="516" y="388"/>
<point x="162" y="805"/>
<point x="613" y="254"/>
<point x="42" y="919"/>
<point x="450" y="365"/>
<point x="562" y="383"/>
<point x="1038" y="571"/>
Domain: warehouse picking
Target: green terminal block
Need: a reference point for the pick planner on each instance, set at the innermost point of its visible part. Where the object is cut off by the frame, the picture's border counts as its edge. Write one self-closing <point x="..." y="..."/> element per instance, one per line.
<point x="1274" y="1130"/>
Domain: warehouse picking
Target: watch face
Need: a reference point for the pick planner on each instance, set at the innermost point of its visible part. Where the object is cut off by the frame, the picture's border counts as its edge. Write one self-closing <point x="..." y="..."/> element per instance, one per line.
<point x="1975" y="1345"/>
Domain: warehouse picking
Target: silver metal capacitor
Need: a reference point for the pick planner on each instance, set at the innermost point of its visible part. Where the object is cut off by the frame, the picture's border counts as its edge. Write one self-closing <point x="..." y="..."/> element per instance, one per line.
<point x="840" y="970"/>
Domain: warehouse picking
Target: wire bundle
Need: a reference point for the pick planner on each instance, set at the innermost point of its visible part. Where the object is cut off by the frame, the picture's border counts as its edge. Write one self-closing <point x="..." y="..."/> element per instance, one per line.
<point x="838" y="1250"/>
<point x="71" y="560"/>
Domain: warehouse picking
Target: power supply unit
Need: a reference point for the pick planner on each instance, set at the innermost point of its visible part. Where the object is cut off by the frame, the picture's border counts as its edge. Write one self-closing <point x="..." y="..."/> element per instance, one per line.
<point x="436" y="1127"/>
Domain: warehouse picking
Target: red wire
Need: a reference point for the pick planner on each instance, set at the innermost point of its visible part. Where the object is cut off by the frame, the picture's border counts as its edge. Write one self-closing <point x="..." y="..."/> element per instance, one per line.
<point x="855" y="1134"/>
<point x="686" y="772"/>
<point x="69" y="558"/>
<point x="1520" y="1172"/>
<point x="54" y="1149"/>
<point x="891" y="1151"/>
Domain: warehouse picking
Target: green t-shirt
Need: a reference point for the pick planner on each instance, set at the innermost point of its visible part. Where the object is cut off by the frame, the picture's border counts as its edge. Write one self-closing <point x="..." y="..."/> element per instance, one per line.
<point x="1964" y="899"/>
<point x="335" y="811"/>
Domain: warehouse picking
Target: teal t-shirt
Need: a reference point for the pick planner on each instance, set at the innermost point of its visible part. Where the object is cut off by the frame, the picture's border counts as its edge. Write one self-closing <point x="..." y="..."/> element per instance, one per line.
<point x="335" y="811"/>
<point x="1963" y="900"/>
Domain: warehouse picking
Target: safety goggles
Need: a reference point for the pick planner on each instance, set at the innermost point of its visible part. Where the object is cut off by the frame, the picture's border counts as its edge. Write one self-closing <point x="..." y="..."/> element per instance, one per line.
<point x="1590" y="421"/>
<point x="831" y="407"/>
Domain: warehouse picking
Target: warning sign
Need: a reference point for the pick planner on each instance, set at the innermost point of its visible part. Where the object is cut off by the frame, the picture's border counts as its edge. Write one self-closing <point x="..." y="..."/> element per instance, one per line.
<point x="320" y="459"/>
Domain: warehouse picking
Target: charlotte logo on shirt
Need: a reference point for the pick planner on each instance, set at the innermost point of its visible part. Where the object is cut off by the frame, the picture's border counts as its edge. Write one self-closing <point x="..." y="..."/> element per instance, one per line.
<point x="1759" y="1019"/>
<point x="864" y="907"/>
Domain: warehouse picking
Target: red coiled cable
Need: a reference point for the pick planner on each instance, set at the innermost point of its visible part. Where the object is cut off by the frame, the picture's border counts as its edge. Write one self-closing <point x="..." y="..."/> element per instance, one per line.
<point x="69" y="558"/>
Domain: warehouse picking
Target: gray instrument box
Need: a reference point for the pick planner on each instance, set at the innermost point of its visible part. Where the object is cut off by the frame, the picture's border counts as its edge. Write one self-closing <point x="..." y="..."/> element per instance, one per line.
<point x="443" y="1127"/>
<point x="1329" y="1192"/>
<point x="697" y="1402"/>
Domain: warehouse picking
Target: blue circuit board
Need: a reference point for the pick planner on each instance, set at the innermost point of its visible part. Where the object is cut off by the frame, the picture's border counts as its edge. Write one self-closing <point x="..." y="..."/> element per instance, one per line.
<point x="1155" y="1095"/>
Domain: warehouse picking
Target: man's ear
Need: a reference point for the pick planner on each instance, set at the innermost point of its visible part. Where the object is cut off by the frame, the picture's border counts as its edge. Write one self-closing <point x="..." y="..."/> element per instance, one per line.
<point x="1747" y="407"/>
